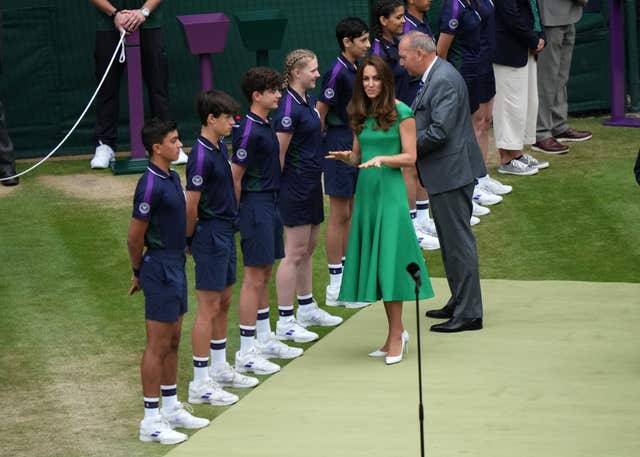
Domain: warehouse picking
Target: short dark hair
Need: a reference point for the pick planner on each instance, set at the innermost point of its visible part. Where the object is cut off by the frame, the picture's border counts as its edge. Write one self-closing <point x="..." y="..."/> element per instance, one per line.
<point x="215" y="102"/>
<point x="154" y="131"/>
<point x="259" y="79"/>
<point x="352" y="28"/>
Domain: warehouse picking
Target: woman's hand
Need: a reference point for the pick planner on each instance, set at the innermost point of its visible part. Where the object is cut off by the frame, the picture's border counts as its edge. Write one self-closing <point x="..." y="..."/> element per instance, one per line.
<point x="342" y="156"/>
<point x="377" y="161"/>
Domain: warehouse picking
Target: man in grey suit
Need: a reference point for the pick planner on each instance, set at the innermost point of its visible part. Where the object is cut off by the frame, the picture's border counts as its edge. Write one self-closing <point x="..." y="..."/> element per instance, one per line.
<point x="449" y="161"/>
<point x="554" y="64"/>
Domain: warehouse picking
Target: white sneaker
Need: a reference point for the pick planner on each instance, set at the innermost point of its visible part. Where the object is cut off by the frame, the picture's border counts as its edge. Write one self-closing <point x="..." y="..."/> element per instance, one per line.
<point x="182" y="417"/>
<point x="427" y="226"/>
<point x="208" y="391"/>
<point x="182" y="158"/>
<point x="532" y="162"/>
<point x="228" y="377"/>
<point x="251" y="362"/>
<point x="272" y="348"/>
<point x="494" y="186"/>
<point x="479" y="210"/>
<point x="429" y="242"/>
<point x="103" y="156"/>
<point x="159" y="430"/>
<point x="317" y="316"/>
<point x="291" y="330"/>
<point x="483" y="197"/>
<point x="332" y="299"/>
<point x="474" y="221"/>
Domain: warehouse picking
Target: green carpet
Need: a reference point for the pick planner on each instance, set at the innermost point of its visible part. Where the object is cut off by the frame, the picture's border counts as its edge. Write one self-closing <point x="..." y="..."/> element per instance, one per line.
<point x="555" y="372"/>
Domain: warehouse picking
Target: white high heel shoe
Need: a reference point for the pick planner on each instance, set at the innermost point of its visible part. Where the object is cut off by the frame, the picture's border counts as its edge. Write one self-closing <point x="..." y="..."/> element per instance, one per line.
<point x="379" y="353"/>
<point x="390" y="360"/>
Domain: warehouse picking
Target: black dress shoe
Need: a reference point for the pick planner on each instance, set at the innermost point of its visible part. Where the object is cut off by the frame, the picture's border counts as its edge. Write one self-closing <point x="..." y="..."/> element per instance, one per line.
<point x="458" y="324"/>
<point x="446" y="312"/>
<point x="10" y="182"/>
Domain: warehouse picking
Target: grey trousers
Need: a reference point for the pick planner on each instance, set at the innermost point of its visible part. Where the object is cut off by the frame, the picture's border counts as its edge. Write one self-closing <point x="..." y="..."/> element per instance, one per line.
<point x="554" y="65"/>
<point x="451" y="214"/>
<point x="7" y="159"/>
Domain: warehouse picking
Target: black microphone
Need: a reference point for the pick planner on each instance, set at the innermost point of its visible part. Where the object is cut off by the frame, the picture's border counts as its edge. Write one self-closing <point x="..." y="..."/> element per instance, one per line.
<point x="414" y="271"/>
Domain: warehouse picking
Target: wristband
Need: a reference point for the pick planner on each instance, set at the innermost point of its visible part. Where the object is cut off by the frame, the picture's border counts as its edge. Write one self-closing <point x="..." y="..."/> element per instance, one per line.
<point x="189" y="240"/>
<point x="136" y="272"/>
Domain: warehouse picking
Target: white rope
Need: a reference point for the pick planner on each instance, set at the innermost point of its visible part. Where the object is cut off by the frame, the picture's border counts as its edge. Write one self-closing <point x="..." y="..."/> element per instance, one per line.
<point x="45" y="158"/>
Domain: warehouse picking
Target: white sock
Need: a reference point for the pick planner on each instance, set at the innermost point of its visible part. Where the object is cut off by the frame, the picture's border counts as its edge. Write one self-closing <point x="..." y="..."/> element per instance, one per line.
<point x="151" y="408"/>
<point x="285" y="312"/>
<point x="306" y="303"/>
<point x="335" y="275"/>
<point x="218" y="352"/>
<point x="247" y="337"/>
<point x="169" y="397"/>
<point x="200" y="368"/>
<point x="263" y="325"/>
<point x="422" y="210"/>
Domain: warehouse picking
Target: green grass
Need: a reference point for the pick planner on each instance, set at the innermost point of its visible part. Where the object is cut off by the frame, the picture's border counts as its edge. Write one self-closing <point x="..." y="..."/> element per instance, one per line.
<point x="71" y="338"/>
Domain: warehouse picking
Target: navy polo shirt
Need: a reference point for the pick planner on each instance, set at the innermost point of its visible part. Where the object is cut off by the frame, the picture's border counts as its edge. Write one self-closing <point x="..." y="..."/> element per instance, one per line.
<point x="413" y="23"/>
<point x="159" y="199"/>
<point x="458" y="18"/>
<point x="300" y="118"/>
<point x="257" y="149"/>
<point x="486" y="9"/>
<point x="389" y="52"/>
<point x="337" y="89"/>
<point x="209" y="172"/>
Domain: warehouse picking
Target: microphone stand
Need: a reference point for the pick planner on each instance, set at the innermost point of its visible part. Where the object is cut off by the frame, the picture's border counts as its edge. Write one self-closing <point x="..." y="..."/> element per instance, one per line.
<point x="420" y="408"/>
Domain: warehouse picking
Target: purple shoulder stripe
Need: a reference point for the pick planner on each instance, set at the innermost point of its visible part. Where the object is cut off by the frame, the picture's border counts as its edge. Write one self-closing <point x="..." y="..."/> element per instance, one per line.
<point x="455" y="9"/>
<point x="287" y="106"/>
<point x="376" y="48"/>
<point x="200" y="160"/>
<point x="334" y="74"/>
<point x="407" y="26"/>
<point x="246" y="133"/>
<point x="149" y="189"/>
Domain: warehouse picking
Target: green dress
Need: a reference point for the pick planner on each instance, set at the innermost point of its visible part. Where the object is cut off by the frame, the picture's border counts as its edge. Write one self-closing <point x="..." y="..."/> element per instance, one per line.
<point x="382" y="241"/>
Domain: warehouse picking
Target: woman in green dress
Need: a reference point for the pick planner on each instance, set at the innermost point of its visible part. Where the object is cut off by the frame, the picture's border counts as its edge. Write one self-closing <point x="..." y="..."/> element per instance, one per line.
<point x="382" y="240"/>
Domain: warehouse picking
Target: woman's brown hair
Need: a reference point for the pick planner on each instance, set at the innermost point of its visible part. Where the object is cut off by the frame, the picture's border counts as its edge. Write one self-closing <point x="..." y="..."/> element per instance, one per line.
<point x="383" y="107"/>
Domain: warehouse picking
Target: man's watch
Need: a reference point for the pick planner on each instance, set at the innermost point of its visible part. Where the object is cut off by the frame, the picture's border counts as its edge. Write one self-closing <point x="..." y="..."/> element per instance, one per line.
<point x="145" y="12"/>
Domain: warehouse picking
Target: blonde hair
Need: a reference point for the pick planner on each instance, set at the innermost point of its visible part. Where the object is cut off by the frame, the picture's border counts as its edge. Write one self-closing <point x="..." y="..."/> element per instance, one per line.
<point x="297" y="58"/>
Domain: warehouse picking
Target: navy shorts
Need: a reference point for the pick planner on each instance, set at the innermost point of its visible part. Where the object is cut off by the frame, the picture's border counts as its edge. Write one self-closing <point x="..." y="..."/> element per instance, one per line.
<point x="164" y="283"/>
<point x="260" y="229"/>
<point x="473" y="88"/>
<point x="214" y="252"/>
<point x="301" y="203"/>
<point x="486" y="86"/>
<point x="339" y="178"/>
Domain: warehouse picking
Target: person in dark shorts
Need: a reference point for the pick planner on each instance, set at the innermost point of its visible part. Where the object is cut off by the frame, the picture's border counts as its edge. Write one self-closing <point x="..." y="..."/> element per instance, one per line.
<point x="212" y="218"/>
<point x="158" y="223"/>
<point x="256" y="178"/>
<point x="300" y="200"/>
<point x="352" y="34"/>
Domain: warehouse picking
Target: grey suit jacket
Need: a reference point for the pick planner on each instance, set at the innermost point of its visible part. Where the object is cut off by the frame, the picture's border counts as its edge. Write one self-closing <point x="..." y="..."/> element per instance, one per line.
<point x="560" y="12"/>
<point x="448" y="154"/>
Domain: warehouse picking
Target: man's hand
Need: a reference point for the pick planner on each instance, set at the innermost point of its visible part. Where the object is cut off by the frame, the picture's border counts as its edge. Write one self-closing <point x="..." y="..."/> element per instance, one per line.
<point x="135" y="285"/>
<point x="133" y="20"/>
<point x="540" y="46"/>
<point x="120" y="20"/>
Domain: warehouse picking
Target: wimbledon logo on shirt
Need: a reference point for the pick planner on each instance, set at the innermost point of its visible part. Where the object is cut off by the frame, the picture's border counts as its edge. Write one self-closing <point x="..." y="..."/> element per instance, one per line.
<point x="241" y="154"/>
<point x="286" y="122"/>
<point x="197" y="180"/>
<point x="144" y="208"/>
<point x="329" y="93"/>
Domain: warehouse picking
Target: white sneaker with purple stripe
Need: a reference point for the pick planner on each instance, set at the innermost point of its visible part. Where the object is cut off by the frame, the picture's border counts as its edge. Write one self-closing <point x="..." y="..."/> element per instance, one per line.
<point x="226" y="376"/>
<point x="313" y="315"/>
<point x="272" y="348"/>
<point x="208" y="391"/>
<point x="182" y="417"/>
<point x="251" y="362"/>
<point x="290" y="330"/>
<point x="158" y="430"/>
